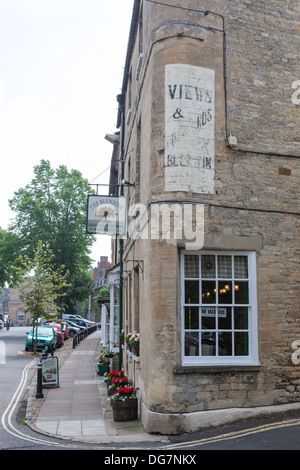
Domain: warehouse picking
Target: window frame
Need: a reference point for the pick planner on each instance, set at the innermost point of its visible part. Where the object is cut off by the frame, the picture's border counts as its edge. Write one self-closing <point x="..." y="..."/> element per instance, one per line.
<point x="199" y="360"/>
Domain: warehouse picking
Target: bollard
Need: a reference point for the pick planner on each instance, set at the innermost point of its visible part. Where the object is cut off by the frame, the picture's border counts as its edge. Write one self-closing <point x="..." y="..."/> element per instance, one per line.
<point x="74" y="341"/>
<point x="39" y="385"/>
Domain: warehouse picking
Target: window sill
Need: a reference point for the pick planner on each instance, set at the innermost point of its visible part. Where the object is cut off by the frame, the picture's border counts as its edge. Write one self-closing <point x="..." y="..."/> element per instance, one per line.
<point x="215" y="369"/>
<point x="135" y="358"/>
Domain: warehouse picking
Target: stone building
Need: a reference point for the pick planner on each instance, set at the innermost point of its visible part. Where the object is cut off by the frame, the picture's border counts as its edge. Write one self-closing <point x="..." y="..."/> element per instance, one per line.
<point x="99" y="271"/>
<point x="16" y="308"/>
<point x="207" y="156"/>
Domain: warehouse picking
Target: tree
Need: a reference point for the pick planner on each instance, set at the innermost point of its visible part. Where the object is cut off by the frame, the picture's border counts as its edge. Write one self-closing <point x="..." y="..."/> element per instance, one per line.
<point x="79" y="291"/>
<point x="43" y="284"/>
<point x="9" y="251"/>
<point x="52" y="208"/>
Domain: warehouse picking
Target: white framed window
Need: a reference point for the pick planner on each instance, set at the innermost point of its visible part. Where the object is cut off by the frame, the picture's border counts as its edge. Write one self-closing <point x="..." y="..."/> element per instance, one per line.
<point x="21" y="315"/>
<point x="219" y="308"/>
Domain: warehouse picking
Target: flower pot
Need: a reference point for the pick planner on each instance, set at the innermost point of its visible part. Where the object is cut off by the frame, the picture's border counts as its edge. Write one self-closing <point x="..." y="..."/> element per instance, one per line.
<point x="103" y="368"/>
<point x="124" y="410"/>
<point x="136" y="349"/>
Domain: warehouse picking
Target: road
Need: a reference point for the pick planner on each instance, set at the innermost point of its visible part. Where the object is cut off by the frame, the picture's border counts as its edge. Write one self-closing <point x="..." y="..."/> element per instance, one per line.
<point x="277" y="432"/>
<point x="16" y="372"/>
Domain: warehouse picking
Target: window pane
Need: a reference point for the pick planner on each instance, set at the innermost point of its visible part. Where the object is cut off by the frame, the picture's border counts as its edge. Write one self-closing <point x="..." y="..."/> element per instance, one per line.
<point x="241" y="344"/>
<point x="208" y="318"/>
<point x="224" y="318"/>
<point x="224" y="266"/>
<point x="241" y="292"/>
<point x="191" y="344"/>
<point x="241" y="318"/>
<point x="225" y="292"/>
<point x="208" y="292"/>
<point x="191" y="266"/>
<point x="216" y="308"/>
<point x="191" y="318"/>
<point x="21" y="315"/>
<point x="191" y="292"/>
<point x="208" y="266"/>
<point x="225" y="344"/>
<point x="208" y="344"/>
<point x="241" y="267"/>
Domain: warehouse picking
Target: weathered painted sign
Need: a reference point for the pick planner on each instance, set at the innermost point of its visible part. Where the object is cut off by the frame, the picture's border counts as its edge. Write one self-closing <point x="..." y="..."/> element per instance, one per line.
<point x="189" y="128"/>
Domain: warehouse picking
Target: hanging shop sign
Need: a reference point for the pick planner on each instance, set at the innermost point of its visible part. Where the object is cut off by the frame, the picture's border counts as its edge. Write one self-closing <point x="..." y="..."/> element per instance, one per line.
<point x="50" y="372"/>
<point x="106" y="215"/>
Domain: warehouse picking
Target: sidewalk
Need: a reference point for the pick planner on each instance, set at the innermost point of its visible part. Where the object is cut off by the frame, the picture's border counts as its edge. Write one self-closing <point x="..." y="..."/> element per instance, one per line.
<point x="79" y="408"/>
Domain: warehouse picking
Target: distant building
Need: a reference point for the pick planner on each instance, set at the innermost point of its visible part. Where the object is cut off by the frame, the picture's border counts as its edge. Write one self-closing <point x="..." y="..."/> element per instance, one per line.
<point x="99" y="272"/>
<point x="11" y="306"/>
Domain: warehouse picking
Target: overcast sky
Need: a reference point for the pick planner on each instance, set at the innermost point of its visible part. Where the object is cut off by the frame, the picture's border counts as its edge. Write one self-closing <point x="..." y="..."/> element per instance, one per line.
<point x="61" y="68"/>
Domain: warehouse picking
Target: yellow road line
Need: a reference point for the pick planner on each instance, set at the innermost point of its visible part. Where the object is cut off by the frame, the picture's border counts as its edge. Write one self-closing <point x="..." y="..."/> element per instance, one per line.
<point x="237" y="434"/>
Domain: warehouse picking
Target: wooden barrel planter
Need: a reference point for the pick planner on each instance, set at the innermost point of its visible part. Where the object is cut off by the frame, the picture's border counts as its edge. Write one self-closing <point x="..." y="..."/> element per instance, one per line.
<point x="124" y="410"/>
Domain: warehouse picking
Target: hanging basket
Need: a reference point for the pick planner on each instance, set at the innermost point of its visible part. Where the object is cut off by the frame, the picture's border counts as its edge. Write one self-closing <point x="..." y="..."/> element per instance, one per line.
<point x="102" y="369"/>
<point x="136" y="349"/>
<point x="125" y="410"/>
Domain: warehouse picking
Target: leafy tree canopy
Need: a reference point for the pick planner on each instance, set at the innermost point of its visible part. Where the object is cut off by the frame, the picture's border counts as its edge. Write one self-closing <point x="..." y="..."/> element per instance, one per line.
<point x="43" y="285"/>
<point x="9" y="251"/>
<point x="52" y="209"/>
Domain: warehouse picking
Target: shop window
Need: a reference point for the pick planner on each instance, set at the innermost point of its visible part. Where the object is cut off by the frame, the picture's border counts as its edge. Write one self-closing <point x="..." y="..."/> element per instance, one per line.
<point x="219" y="308"/>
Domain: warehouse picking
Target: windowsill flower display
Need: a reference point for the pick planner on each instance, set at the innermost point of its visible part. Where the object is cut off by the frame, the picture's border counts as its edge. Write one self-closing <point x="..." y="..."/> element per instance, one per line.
<point x="133" y="341"/>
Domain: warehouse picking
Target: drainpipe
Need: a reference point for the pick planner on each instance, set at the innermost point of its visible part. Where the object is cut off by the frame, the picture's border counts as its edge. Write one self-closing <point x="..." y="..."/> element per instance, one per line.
<point x="121" y="116"/>
<point x="121" y="101"/>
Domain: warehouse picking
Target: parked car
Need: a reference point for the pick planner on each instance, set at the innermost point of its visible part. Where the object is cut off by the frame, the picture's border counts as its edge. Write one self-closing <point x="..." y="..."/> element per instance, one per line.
<point x="77" y="317"/>
<point x="71" y="317"/>
<point x="58" y="331"/>
<point x="75" y="325"/>
<point x="1" y="324"/>
<point x="65" y="328"/>
<point x="46" y="337"/>
<point x="73" y="329"/>
<point x="78" y="322"/>
<point x="89" y="322"/>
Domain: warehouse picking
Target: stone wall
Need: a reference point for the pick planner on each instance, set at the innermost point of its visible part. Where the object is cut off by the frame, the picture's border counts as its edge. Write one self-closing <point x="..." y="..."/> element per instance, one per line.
<point x="254" y="204"/>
